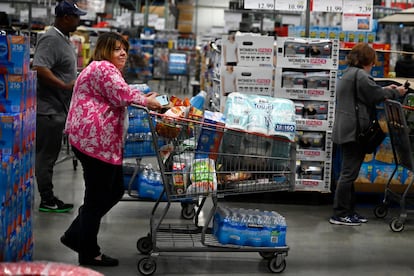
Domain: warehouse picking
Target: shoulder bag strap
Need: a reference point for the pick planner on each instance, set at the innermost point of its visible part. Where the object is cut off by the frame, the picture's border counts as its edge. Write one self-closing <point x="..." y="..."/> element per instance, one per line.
<point x="358" y="126"/>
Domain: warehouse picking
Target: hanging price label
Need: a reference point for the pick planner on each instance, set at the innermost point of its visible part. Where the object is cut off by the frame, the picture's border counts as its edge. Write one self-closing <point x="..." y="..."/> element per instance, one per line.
<point x="327" y="5"/>
<point x="259" y="4"/>
<point x="358" y="6"/>
<point x="291" y="5"/>
<point x="357" y="15"/>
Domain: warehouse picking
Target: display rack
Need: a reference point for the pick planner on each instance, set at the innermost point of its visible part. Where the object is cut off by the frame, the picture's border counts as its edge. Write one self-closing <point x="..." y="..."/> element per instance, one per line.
<point x="306" y="73"/>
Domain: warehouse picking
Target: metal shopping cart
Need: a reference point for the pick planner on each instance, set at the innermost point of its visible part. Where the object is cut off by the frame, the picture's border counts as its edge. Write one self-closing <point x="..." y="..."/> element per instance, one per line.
<point x="204" y="160"/>
<point x="402" y="140"/>
<point x="142" y="179"/>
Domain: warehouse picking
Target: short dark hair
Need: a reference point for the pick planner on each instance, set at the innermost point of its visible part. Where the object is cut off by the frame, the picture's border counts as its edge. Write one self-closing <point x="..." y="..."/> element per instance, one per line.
<point x="362" y="54"/>
<point x="106" y="44"/>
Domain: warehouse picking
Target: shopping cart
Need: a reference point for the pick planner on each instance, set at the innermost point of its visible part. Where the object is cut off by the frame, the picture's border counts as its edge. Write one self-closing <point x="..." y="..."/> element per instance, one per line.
<point x="142" y="179"/>
<point x="204" y="160"/>
<point x="402" y="138"/>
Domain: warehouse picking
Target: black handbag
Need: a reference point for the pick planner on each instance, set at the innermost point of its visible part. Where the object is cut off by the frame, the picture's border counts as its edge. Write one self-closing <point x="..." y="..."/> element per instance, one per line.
<point x="372" y="137"/>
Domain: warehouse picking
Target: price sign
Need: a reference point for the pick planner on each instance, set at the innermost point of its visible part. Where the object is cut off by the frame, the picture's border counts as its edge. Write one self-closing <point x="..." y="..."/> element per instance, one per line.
<point x="357" y="15"/>
<point x="327" y="5"/>
<point x="358" y="6"/>
<point x="291" y="5"/>
<point x="259" y="4"/>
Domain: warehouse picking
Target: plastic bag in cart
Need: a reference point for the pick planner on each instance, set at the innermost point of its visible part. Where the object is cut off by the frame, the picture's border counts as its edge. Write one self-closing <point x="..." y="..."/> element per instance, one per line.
<point x="202" y="176"/>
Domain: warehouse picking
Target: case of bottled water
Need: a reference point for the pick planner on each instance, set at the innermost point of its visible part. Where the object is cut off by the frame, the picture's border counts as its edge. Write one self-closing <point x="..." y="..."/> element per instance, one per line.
<point x="249" y="227"/>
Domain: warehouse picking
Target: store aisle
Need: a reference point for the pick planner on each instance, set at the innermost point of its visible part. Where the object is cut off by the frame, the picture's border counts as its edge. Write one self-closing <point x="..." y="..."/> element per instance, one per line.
<point x="316" y="247"/>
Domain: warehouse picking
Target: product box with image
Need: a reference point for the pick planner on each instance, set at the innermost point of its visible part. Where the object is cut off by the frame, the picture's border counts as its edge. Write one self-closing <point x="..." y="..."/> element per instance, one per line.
<point x="365" y="173"/>
<point x="305" y="84"/>
<point x="383" y="172"/>
<point x="314" y="53"/>
<point x="408" y="176"/>
<point x="12" y="92"/>
<point x="384" y="152"/>
<point x="14" y="54"/>
<point x="210" y="136"/>
<point x="10" y="133"/>
<point x="310" y="170"/>
<point x="254" y="50"/>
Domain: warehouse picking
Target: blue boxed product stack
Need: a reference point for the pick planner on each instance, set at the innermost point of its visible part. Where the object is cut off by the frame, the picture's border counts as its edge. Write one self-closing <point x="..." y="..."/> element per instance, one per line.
<point x="17" y="148"/>
<point x="150" y="184"/>
<point x="147" y="183"/>
<point x="249" y="227"/>
<point x="139" y="141"/>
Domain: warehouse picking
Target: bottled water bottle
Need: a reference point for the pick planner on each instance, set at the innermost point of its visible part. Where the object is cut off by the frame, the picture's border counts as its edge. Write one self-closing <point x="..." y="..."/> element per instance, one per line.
<point x="198" y="100"/>
<point x="222" y="228"/>
<point x="143" y="183"/>
<point x="237" y="234"/>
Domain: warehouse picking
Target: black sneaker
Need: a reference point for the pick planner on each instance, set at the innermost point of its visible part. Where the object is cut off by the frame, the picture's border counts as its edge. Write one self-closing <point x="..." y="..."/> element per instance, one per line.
<point x="55" y="206"/>
<point x="348" y="220"/>
<point x="361" y="219"/>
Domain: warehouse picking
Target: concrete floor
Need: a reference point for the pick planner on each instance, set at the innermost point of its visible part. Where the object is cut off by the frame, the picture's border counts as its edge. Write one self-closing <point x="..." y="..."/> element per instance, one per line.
<point x="315" y="246"/>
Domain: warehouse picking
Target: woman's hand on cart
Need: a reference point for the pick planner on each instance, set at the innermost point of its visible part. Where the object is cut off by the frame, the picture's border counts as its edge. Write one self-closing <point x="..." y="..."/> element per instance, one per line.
<point x="152" y="102"/>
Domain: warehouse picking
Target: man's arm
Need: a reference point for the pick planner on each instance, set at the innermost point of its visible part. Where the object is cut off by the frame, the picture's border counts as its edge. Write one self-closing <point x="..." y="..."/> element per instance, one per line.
<point x="46" y="75"/>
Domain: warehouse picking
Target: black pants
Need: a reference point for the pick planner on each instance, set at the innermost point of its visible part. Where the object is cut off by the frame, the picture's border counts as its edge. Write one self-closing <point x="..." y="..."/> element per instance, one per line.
<point x="104" y="188"/>
<point x="352" y="158"/>
<point x="49" y="133"/>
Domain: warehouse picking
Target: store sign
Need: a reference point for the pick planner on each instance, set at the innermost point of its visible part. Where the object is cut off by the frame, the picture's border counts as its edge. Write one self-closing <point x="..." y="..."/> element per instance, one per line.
<point x="327" y="5"/>
<point x="259" y="4"/>
<point x="291" y="5"/>
<point x="357" y="15"/>
<point x="280" y="5"/>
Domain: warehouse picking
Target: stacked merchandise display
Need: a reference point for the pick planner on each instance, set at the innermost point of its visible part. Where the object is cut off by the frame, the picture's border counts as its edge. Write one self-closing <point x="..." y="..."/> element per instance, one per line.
<point x="17" y="148"/>
<point x="306" y="73"/>
<point x="380" y="69"/>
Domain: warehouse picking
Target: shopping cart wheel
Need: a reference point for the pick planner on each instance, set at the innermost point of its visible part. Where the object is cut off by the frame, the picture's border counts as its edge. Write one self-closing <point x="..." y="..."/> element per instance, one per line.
<point x="147" y="266"/>
<point x="144" y="244"/>
<point x="187" y="210"/>
<point x="277" y="264"/>
<point x="266" y="254"/>
<point x="381" y="211"/>
<point x="396" y="225"/>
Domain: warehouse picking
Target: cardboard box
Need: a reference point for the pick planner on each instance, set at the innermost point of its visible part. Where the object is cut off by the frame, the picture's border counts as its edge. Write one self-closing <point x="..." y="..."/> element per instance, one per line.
<point x="254" y="80"/>
<point x="10" y="133"/>
<point x="185" y="26"/>
<point x="14" y="54"/>
<point x="255" y="50"/>
<point x="13" y="92"/>
<point x="210" y="135"/>
<point x="158" y="10"/>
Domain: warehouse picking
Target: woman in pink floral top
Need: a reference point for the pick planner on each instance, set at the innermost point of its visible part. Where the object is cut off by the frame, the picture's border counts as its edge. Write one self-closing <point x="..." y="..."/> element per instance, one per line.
<point x="95" y="126"/>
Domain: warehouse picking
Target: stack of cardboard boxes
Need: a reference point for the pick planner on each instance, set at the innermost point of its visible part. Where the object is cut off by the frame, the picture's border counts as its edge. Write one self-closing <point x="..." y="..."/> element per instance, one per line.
<point x="17" y="148"/>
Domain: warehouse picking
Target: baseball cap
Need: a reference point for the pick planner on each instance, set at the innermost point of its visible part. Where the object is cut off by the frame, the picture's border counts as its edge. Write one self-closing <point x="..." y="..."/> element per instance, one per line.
<point x="67" y="7"/>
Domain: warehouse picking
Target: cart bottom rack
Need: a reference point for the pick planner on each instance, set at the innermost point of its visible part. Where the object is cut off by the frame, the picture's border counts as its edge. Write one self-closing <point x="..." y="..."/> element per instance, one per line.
<point x="193" y="238"/>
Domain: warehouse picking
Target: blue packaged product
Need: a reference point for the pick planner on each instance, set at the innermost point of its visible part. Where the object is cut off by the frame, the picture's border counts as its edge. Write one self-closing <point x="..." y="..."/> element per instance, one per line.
<point x="198" y="100"/>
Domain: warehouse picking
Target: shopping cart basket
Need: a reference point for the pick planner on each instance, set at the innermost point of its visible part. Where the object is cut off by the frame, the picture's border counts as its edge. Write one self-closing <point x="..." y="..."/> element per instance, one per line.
<point x="402" y="139"/>
<point x="204" y="160"/>
<point x="142" y="179"/>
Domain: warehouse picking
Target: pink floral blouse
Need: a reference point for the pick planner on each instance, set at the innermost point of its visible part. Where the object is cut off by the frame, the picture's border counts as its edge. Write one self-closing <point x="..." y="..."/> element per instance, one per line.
<point x="95" y="122"/>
